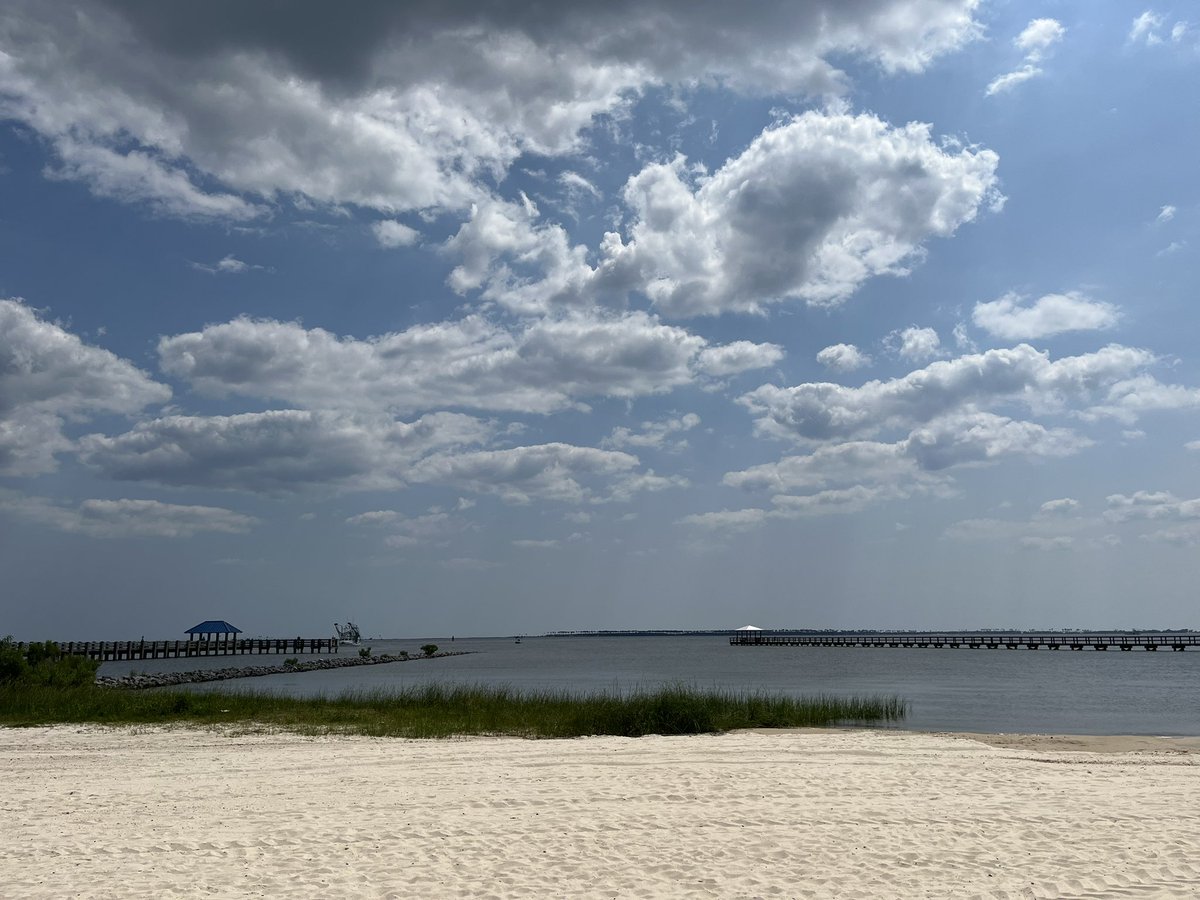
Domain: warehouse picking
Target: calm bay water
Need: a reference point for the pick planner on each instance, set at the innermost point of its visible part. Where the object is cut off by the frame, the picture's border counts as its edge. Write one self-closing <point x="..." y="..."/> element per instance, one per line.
<point x="1063" y="691"/>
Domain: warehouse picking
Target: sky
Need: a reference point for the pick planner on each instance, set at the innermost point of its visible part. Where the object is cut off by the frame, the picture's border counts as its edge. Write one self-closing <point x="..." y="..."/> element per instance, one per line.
<point x="503" y="318"/>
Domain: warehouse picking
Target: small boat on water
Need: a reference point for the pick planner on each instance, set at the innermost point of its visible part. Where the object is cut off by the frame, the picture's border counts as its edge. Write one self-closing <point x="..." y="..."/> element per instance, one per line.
<point x="518" y="640"/>
<point x="348" y="633"/>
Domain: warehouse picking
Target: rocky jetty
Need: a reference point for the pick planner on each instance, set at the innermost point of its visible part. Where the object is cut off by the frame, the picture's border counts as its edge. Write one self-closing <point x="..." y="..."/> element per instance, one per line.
<point x="168" y="679"/>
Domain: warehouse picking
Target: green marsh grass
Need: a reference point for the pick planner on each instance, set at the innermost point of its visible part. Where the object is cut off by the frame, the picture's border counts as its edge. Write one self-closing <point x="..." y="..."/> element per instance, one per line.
<point x="434" y="711"/>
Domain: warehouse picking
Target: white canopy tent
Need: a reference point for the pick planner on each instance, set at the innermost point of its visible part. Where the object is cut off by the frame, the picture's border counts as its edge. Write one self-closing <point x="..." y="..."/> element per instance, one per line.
<point x="749" y="628"/>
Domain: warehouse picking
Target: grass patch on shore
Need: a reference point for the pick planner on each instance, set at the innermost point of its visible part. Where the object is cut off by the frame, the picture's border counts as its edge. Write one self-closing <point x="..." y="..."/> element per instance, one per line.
<point x="434" y="711"/>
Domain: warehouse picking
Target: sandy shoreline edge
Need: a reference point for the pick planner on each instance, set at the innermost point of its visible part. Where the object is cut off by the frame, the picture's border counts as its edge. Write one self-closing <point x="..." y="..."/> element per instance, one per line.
<point x="181" y="812"/>
<point x="1086" y="743"/>
<point x="1066" y="743"/>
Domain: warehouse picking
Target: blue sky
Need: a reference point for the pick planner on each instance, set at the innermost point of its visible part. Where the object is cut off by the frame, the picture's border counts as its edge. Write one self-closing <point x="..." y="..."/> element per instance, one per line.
<point x="470" y="319"/>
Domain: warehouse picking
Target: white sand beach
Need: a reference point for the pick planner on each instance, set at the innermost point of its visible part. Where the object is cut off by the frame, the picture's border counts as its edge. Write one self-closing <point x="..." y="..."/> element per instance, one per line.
<point x="93" y="812"/>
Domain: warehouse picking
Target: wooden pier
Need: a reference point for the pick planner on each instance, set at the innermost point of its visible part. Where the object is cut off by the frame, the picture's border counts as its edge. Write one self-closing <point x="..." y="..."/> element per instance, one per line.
<point x="108" y="651"/>
<point x="973" y="640"/>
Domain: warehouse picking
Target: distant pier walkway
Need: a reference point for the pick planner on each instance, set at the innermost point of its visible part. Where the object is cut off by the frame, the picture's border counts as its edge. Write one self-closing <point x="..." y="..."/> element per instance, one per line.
<point x="972" y="640"/>
<point x="108" y="651"/>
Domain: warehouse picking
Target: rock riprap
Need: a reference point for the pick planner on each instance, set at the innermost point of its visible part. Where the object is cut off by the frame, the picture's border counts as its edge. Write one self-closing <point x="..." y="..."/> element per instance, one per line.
<point x="136" y="680"/>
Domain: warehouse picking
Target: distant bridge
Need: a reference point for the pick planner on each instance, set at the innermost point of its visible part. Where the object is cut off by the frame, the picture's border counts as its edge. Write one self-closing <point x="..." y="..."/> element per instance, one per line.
<point x="972" y="640"/>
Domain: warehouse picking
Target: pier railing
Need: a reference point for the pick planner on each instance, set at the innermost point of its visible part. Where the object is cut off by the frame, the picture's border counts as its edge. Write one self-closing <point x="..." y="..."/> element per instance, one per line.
<point x="121" y="650"/>
<point x="973" y="641"/>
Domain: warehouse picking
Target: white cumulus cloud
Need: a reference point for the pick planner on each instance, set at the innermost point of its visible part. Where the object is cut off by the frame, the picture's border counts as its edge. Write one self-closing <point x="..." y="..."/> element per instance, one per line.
<point x="809" y="211"/>
<point x="656" y="435"/>
<point x="49" y="377"/>
<point x="227" y="265"/>
<point x="1145" y="28"/>
<point x="543" y="366"/>
<point x="837" y="501"/>
<point x="557" y="471"/>
<point x="390" y="233"/>
<point x="1021" y="374"/>
<point x="126" y="518"/>
<point x="915" y="344"/>
<point x="1012" y="317"/>
<point x="1035" y="40"/>
<point x="1061" y="507"/>
<point x="843" y="358"/>
<point x="1150" y="505"/>
<point x="1039" y="35"/>
<point x="279" y="451"/>
<point x="399" y="106"/>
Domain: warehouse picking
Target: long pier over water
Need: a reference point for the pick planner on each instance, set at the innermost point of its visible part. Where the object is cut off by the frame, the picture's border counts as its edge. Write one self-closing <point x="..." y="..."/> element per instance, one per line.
<point x="120" y="650"/>
<point x="973" y="640"/>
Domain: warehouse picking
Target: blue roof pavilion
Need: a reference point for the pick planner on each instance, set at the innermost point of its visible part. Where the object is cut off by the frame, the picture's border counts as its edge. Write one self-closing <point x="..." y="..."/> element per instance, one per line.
<point x="219" y="628"/>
